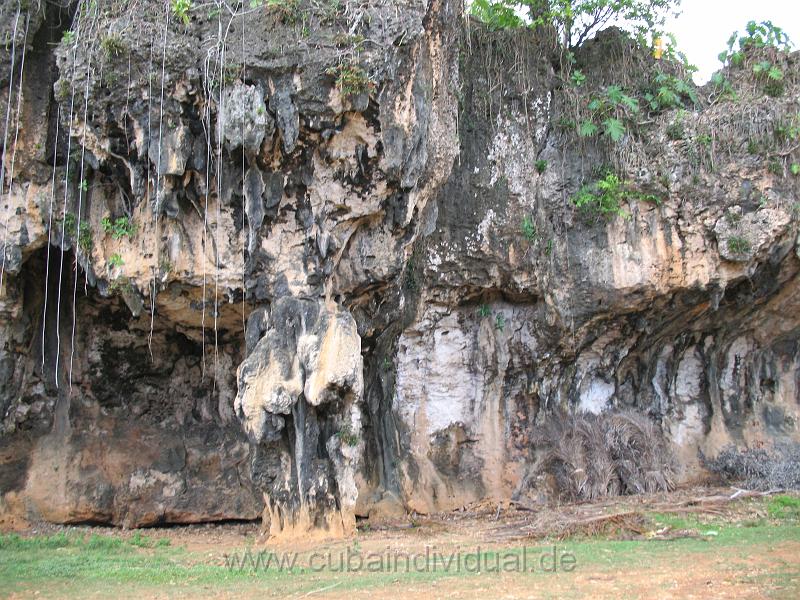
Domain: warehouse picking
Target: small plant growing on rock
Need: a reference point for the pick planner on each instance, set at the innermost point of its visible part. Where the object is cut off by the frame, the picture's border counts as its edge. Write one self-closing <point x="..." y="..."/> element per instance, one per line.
<point x="795" y="169"/>
<point x="668" y="91"/>
<point x="603" y="199"/>
<point x="410" y="278"/>
<point x="62" y="90"/>
<point x="347" y="436"/>
<point x="732" y="217"/>
<point x="351" y="79"/>
<point x="180" y="9"/>
<point x="528" y="229"/>
<point x="541" y="166"/>
<point x="165" y="266"/>
<point x="119" y="228"/>
<point x="775" y="167"/>
<point x="577" y="78"/>
<point x="566" y="124"/>
<point x="772" y="76"/>
<point x="68" y="224"/>
<point x="121" y="285"/>
<point x="289" y="10"/>
<point x="675" y="130"/>
<point x="68" y="37"/>
<point x="112" y="45"/>
<point x="704" y="139"/>
<point x="82" y="235"/>
<point x="738" y="245"/>
<point x="500" y="322"/>
<point x="85" y="242"/>
<point x="484" y="311"/>
<point x="722" y="86"/>
<point x="607" y="112"/>
<point x="115" y="260"/>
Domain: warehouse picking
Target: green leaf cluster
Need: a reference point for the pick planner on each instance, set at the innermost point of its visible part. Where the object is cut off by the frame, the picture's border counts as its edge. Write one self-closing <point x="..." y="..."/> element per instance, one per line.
<point x="669" y="91"/>
<point x="607" y="113"/>
<point x="603" y="199"/>
<point x="180" y="9"/>
<point x="759" y="35"/>
<point x="119" y="228"/>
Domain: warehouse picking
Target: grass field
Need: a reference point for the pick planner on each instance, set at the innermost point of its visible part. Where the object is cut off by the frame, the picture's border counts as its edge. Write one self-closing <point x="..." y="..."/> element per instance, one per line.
<point x="754" y="552"/>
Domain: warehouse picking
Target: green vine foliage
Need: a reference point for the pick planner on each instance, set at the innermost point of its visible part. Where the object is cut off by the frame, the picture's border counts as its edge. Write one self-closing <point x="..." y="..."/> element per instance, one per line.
<point x="347" y="436"/>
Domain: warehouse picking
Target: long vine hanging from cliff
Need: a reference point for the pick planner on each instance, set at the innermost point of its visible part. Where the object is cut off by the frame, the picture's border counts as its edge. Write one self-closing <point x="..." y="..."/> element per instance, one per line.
<point x="214" y="82"/>
<point x="50" y="232"/>
<point x="244" y="212"/>
<point x="16" y="132"/>
<point x="8" y="102"/>
<point x="207" y="77"/>
<point x="150" y="110"/>
<point x="80" y="244"/>
<point x="18" y="116"/>
<point x="221" y="41"/>
<point x="158" y="203"/>
<point x="210" y="82"/>
<point x="73" y="39"/>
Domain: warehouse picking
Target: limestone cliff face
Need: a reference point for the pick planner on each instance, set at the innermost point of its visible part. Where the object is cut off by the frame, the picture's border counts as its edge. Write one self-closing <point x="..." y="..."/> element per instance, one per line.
<point x="311" y="264"/>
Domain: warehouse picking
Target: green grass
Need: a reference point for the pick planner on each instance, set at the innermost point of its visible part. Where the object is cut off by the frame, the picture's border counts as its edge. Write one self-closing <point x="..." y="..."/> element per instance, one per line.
<point x="784" y="507"/>
<point x="63" y="565"/>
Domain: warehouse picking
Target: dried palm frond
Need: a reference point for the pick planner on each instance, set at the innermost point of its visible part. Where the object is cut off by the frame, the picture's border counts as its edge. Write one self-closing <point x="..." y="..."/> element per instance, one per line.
<point x="587" y="456"/>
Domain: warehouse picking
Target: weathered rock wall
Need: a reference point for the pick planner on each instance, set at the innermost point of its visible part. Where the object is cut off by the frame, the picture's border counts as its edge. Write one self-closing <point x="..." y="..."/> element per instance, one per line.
<point x="320" y="261"/>
<point x="527" y="309"/>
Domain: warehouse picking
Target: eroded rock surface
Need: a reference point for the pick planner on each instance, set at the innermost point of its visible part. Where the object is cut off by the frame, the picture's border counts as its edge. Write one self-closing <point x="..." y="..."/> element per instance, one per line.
<point x="323" y="265"/>
<point x="299" y="395"/>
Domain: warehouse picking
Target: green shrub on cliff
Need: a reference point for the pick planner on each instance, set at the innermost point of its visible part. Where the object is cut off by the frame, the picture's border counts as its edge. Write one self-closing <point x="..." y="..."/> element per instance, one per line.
<point x="759" y="35"/>
<point x="604" y="198"/>
<point x="575" y="20"/>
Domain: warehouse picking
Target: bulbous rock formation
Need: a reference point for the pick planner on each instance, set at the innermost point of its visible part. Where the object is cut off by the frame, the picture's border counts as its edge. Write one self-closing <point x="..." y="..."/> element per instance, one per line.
<point x="299" y="394"/>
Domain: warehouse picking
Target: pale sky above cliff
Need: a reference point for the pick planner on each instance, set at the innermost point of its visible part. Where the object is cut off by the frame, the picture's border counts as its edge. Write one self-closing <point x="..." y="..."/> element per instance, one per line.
<point x="704" y="26"/>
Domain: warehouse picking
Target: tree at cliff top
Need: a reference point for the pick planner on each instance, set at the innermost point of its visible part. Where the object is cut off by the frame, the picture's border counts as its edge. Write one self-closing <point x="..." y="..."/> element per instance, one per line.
<point x="575" y="20"/>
